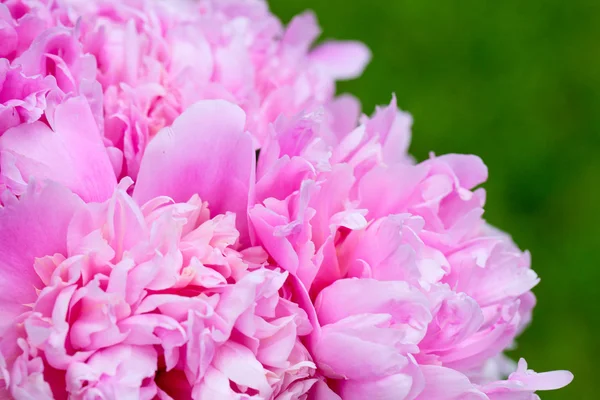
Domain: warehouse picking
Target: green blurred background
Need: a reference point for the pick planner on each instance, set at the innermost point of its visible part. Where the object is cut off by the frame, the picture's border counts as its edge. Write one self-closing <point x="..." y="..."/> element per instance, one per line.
<point x="517" y="83"/>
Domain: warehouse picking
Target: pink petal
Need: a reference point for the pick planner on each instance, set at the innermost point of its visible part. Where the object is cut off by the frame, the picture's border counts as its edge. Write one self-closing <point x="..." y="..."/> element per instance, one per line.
<point x="394" y="128"/>
<point x="341" y="59"/>
<point x="470" y="170"/>
<point x="359" y="347"/>
<point x="320" y="391"/>
<point x="71" y="153"/>
<point x="447" y="384"/>
<point x="114" y="372"/>
<point x="9" y="39"/>
<point x="343" y="113"/>
<point x="347" y="297"/>
<point x="523" y="382"/>
<point x="24" y="235"/>
<point x="239" y="365"/>
<point x="302" y="30"/>
<point x="205" y="152"/>
<point x="392" y="387"/>
<point x="215" y="385"/>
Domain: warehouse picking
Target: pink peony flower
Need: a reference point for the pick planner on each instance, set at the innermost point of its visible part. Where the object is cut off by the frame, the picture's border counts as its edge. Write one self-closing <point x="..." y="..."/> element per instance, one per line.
<point x="408" y="294"/>
<point x="145" y="252"/>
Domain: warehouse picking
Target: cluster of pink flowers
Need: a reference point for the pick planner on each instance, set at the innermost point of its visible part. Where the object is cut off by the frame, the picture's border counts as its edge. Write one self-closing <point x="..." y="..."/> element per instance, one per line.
<point x="147" y="252"/>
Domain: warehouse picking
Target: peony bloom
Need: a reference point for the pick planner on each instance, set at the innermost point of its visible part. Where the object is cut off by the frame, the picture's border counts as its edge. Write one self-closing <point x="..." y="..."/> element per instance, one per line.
<point x="302" y="285"/>
<point x="148" y="251"/>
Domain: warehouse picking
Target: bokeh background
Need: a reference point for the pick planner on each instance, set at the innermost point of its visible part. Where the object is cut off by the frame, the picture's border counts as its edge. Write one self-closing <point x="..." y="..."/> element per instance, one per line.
<point x="517" y="83"/>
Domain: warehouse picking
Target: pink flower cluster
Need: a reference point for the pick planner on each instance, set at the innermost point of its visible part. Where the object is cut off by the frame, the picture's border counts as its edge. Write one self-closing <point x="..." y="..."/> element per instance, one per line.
<point x="147" y="252"/>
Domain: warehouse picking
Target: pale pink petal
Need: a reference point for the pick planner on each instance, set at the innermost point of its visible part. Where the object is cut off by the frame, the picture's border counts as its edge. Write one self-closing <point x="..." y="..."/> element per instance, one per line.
<point x="447" y="384"/>
<point x="522" y="383"/>
<point x="341" y="59"/>
<point x="360" y="347"/>
<point x="205" y="152"/>
<point x="302" y="30"/>
<point x="346" y="297"/>
<point x="70" y="153"/>
<point x="240" y="366"/>
<point x="23" y="237"/>
<point x="343" y="113"/>
<point x="392" y="387"/>
<point x="215" y="385"/>
<point x="116" y="371"/>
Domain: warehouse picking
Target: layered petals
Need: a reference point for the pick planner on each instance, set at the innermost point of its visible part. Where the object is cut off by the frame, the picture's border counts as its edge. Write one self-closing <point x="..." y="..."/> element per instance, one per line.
<point x="22" y="97"/>
<point x="128" y="294"/>
<point x="187" y="211"/>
